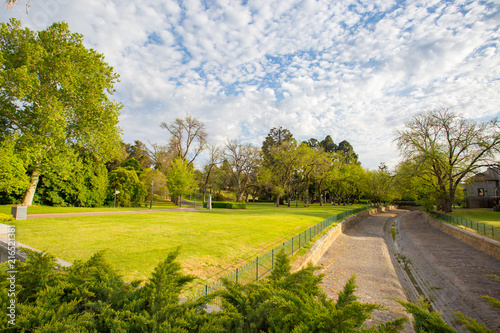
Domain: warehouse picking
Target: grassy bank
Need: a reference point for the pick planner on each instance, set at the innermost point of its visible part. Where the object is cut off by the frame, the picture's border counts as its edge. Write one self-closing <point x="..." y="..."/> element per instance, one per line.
<point x="209" y="240"/>
<point x="483" y="215"/>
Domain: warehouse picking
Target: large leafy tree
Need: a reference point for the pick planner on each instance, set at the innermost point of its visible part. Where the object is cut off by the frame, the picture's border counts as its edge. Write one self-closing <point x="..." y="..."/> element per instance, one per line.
<point x="54" y="98"/>
<point x="180" y="179"/>
<point x="446" y="148"/>
<point x="277" y="172"/>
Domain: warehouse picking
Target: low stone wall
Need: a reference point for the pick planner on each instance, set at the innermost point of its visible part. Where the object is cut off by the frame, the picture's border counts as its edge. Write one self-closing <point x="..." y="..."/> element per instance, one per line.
<point x="485" y="244"/>
<point x="321" y="245"/>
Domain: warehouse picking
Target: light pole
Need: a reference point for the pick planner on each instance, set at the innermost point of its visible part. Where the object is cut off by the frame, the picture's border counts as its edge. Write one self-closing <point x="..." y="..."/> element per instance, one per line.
<point x="114" y="204"/>
<point x="151" y="203"/>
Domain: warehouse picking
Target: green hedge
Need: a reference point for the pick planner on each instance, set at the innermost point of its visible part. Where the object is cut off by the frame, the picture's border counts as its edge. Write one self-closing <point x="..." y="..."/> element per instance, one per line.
<point x="6" y="218"/>
<point x="228" y="205"/>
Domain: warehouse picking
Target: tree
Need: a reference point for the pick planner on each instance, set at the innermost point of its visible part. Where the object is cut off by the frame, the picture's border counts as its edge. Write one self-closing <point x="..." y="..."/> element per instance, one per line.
<point x="161" y="156"/>
<point x="328" y="145"/>
<point x="140" y="152"/>
<point x="180" y="179"/>
<point x="13" y="178"/>
<point x="82" y="182"/>
<point x="446" y="148"/>
<point x="379" y="185"/>
<point x="275" y="138"/>
<point x="189" y="137"/>
<point x="242" y="160"/>
<point x="347" y="151"/>
<point x="214" y="159"/>
<point x="157" y="178"/>
<point x="54" y="98"/>
<point x="322" y="171"/>
<point x="131" y="190"/>
<point x="278" y="170"/>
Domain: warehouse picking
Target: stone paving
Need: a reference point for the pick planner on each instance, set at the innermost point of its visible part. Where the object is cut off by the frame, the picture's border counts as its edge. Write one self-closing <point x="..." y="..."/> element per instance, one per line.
<point x="362" y="250"/>
<point x="452" y="275"/>
<point x="421" y="261"/>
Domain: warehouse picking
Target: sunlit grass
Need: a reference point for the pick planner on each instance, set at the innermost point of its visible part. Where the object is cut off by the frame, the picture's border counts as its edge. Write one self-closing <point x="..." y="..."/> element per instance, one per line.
<point x="209" y="240"/>
<point x="483" y="215"/>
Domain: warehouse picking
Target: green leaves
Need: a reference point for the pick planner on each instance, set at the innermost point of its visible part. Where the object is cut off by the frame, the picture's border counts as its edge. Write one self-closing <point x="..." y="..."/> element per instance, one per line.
<point x="54" y="96"/>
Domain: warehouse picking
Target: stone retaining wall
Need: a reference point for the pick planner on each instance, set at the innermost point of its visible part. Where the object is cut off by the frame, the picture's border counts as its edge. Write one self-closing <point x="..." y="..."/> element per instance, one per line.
<point x="485" y="244"/>
<point x="321" y="245"/>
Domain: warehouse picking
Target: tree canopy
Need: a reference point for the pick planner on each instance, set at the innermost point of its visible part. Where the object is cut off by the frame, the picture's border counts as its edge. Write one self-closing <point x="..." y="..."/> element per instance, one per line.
<point x="54" y="98"/>
<point x="444" y="148"/>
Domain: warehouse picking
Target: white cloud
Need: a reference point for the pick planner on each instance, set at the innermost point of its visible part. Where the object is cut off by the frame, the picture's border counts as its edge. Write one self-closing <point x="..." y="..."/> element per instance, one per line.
<point x="351" y="69"/>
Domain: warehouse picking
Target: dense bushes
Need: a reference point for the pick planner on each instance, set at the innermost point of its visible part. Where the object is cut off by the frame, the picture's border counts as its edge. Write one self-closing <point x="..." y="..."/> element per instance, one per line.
<point x="228" y="205"/>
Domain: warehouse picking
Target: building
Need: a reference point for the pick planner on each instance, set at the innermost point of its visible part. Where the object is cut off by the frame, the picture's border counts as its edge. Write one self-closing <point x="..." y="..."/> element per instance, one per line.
<point x="483" y="190"/>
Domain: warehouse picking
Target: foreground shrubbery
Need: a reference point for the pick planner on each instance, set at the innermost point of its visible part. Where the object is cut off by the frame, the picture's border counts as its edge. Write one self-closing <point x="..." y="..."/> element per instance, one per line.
<point x="91" y="297"/>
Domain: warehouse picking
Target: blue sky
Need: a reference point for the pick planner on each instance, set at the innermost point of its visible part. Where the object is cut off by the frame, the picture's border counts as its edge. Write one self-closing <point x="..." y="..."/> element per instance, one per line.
<point x="355" y="70"/>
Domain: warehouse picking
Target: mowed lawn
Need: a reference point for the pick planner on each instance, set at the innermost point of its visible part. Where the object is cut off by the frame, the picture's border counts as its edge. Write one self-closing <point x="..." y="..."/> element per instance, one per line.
<point x="483" y="215"/>
<point x="210" y="240"/>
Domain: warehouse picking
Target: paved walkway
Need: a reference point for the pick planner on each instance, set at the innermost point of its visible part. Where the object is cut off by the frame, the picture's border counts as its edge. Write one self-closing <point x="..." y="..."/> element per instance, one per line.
<point x="362" y="250"/>
<point x="449" y="273"/>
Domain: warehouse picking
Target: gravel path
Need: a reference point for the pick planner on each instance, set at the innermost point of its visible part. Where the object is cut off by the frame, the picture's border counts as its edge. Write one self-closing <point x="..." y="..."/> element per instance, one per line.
<point x="421" y="261"/>
<point x="362" y="250"/>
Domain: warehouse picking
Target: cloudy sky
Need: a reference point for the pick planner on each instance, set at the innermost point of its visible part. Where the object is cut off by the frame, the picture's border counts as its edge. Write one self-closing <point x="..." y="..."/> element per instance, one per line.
<point x="355" y="70"/>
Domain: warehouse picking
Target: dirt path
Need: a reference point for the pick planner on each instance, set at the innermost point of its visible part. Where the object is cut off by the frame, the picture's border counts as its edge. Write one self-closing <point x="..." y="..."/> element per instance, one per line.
<point x="363" y="251"/>
<point x="449" y="273"/>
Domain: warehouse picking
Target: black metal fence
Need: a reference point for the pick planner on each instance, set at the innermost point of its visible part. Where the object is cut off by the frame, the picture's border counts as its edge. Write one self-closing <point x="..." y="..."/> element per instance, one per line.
<point x="264" y="264"/>
<point x="485" y="229"/>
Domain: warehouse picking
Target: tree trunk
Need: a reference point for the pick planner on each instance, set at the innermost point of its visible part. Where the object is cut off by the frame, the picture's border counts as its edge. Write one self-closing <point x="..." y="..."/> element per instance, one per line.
<point x="30" y="193"/>
<point x="278" y="201"/>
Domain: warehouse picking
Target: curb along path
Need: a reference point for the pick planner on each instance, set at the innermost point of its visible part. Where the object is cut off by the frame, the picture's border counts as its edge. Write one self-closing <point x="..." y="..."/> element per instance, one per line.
<point x="362" y="250"/>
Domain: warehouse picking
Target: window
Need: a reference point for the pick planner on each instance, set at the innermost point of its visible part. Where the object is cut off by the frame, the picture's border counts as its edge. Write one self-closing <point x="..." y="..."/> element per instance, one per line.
<point x="480" y="192"/>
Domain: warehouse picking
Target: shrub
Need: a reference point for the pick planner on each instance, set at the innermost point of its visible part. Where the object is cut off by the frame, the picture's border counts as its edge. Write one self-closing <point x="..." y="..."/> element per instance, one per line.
<point x="227" y="205"/>
<point x="6" y="218"/>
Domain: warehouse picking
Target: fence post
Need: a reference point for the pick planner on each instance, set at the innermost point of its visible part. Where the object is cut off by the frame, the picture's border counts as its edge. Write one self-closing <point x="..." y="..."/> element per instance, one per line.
<point x="292" y="245"/>
<point x="257" y="270"/>
<point x="236" y="274"/>
<point x="272" y="259"/>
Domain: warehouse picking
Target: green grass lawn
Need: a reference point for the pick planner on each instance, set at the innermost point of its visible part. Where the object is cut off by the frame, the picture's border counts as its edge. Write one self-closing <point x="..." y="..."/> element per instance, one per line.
<point x="483" y="215"/>
<point x="209" y="240"/>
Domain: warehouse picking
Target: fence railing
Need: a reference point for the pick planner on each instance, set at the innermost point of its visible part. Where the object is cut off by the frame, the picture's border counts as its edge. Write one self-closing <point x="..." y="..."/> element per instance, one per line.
<point x="485" y="229"/>
<point x="264" y="264"/>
